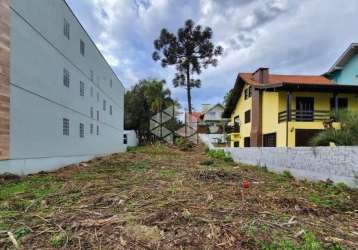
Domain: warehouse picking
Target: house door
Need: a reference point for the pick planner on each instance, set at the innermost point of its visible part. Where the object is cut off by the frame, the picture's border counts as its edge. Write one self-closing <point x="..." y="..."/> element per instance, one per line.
<point x="304" y="136"/>
<point x="304" y="108"/>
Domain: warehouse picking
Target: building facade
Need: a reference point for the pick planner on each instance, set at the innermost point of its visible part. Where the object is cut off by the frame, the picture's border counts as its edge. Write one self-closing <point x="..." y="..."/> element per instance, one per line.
<point x="284" y="110"/>
<point x="60" y="101"/>
<point x="211" y="116"/>
<point x="345" y="69"/>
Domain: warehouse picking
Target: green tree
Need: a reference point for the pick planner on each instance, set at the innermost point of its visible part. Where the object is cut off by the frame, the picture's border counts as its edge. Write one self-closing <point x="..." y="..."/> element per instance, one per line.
<point x="146" y="98"/>
<point x="227" y="97"/>
<point x="347" y="135"/>
<point x="190" y="51"/>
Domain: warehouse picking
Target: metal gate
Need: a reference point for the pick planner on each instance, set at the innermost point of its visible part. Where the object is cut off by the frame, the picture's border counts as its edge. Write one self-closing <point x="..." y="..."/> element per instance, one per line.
<point x="159" y="126"/>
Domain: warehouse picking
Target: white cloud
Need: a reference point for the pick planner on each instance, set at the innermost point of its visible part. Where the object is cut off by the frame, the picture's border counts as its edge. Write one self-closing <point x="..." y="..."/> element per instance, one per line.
<point x="296" y="36"/>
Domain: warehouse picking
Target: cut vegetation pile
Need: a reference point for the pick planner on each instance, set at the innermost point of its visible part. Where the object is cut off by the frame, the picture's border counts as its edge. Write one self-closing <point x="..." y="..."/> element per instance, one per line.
<point x="157" y="197"/>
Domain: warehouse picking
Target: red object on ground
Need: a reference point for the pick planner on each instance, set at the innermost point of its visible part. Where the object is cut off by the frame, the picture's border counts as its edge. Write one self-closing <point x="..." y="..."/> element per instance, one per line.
<point x="245" y="184"/>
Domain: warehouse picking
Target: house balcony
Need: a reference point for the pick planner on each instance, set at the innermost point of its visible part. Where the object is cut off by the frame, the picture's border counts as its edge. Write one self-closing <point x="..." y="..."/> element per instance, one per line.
<point x="235" y="137"/>
<point x="234" y="132"/>
<point x="304" y="115"/>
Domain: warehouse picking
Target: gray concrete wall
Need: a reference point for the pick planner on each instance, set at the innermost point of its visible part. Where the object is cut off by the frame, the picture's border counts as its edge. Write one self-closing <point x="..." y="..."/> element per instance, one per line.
<point x="213" y="138"/>
<point x="320" y="163"/>
<point x="132" y="138"/>
<point x="39" y="100"/>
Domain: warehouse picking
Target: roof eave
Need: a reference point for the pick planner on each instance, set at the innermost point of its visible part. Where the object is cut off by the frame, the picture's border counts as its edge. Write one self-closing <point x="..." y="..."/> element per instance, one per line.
<point x="353" y="48"/>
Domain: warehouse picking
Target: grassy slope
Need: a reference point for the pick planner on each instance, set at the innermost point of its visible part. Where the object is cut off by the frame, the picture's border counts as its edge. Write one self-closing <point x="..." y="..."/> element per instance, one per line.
<point x="159" y="197"/>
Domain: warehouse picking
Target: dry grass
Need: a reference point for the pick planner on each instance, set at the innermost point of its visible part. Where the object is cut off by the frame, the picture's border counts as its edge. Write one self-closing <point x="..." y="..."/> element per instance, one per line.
<point x="157" y="197"/>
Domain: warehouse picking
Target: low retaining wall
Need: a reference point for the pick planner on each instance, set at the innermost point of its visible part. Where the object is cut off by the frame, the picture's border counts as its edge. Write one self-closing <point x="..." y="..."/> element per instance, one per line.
<point x="132" y="139"/>
<point x="340" y="164"/>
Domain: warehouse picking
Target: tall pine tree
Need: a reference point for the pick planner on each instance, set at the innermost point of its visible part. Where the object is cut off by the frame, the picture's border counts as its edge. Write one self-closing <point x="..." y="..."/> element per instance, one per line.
<point x="190" y="50"/>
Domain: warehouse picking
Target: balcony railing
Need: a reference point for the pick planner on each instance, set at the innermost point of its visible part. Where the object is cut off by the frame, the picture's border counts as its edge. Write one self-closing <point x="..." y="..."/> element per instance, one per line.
<point x="304" y="115"/>
<point x="233" y="129"/>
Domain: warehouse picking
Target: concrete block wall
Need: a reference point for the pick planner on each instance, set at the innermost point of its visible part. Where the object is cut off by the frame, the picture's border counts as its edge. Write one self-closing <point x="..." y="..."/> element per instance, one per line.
<point x="313" y="163"/>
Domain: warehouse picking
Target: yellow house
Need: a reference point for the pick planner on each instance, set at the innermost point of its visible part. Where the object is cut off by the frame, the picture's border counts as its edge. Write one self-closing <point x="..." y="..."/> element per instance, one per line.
<point x="273" y="110"/>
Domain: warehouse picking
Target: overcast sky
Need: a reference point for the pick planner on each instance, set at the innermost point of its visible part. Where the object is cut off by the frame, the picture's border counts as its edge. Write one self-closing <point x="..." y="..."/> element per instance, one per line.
<point x="288" y="36"/>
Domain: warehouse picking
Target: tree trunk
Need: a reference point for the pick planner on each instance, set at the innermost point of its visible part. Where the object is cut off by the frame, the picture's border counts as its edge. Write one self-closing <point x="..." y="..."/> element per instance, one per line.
<point x="188" y="89"/>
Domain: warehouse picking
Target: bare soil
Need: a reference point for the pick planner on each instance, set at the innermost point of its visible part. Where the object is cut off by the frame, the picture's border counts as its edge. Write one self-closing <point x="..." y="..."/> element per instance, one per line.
<point x="159" y="197"/>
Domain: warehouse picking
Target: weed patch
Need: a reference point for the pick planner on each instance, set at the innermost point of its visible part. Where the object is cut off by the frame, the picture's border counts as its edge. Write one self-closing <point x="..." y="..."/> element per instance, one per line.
<point x="220" y="154"/>
<point x="160" y="197"/>
<point x="58" y="240"/>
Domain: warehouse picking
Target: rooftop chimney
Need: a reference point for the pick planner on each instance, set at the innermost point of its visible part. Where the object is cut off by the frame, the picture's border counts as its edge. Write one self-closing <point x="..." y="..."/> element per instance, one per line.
<point x="262" y="75"/>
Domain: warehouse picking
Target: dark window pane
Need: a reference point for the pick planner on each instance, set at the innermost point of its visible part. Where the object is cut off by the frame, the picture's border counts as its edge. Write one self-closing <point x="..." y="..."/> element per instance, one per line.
<point x="248" y="116"/>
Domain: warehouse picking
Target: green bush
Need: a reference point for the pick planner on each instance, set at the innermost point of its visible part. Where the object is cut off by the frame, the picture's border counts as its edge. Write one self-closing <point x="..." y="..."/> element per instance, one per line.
<point x="184" y="144"/>
<point x="220" y="154"/>
<point x="347" y="135"/>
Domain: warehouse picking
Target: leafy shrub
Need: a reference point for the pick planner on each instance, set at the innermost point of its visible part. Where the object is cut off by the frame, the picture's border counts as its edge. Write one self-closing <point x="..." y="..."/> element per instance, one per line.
<point x="347" y="135"/>
<point x="220" y="154"/>
<point x="184" y="144"/>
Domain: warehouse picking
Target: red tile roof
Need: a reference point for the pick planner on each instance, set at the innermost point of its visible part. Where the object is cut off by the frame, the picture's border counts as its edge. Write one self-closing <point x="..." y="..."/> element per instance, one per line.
<point x="294" y="79"/>
<point x="195" y="116"/>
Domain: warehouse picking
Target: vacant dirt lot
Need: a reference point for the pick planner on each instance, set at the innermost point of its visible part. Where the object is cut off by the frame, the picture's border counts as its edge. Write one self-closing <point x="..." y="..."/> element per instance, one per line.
<point x="157" y="197"/>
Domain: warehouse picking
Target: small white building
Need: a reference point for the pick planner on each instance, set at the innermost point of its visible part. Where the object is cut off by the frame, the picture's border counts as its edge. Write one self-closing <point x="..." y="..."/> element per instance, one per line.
<point x="60" y="101"/>
<point x="212" y="116"/>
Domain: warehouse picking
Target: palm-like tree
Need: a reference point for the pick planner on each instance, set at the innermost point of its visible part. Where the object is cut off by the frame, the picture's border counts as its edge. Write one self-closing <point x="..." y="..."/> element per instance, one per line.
<point x="157" y="96"/>
<point x="347" y="135"/>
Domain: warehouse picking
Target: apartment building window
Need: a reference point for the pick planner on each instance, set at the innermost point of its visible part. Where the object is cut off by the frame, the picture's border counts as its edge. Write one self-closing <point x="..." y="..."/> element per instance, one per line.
<point x="82" y="89"/>
<point x="97" y="130"/>
<point x="66" y="78"/>
<point x="91" y="91"/>
<point x="66" y="126"/>
<point x="110" y="110"/>
<point x="125" y="139"/>
<point x="97" y="96"/>
<point x="248" y="116"/>
<point x="91" y="129"/>
<point x="66" y="29"/>
<point x="82" y="47"/>
<point x="92" y="112"/>
<point x="97" y="115"/>
<point x="111" y="83"/>
<point x="82" y="130"/>
<point x="91" y="75"/>
<point x="104" y="105"/>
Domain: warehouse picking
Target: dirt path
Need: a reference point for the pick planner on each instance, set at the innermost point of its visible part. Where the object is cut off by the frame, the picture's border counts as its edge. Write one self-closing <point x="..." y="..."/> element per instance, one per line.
<point x="162" y="198"/>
